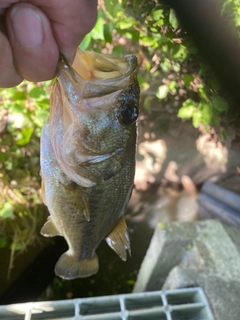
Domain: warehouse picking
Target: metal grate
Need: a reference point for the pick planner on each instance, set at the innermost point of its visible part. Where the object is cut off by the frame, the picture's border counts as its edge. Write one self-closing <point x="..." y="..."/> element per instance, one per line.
<point x="187" y="304"/>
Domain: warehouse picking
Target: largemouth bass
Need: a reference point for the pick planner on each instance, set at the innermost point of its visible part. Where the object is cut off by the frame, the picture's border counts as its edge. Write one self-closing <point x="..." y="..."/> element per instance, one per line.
<point x="88" y="157"/>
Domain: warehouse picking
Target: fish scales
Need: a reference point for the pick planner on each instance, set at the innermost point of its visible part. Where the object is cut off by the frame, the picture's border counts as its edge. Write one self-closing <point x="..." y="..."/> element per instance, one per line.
<point x="88" y="158"/>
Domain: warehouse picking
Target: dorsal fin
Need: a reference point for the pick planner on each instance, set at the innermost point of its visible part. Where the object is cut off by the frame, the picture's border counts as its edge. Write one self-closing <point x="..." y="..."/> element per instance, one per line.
<point x="118" y="239"/>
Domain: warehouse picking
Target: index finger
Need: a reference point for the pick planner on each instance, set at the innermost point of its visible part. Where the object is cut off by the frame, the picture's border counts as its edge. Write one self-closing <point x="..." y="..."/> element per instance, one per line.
<point x="70" y="20"/>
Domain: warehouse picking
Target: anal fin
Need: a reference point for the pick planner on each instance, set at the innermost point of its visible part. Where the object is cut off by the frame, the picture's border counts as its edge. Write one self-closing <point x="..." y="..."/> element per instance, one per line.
<point x="118" y="239"/>
<point x="49" y="229"/>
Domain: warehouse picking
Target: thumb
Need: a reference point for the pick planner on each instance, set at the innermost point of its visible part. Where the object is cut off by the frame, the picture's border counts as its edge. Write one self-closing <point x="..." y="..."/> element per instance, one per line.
<point x="35" y="52"/>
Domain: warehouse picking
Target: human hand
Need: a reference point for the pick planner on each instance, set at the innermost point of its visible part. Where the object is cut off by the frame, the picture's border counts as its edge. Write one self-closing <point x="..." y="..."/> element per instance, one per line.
<point x="34" y="32"/>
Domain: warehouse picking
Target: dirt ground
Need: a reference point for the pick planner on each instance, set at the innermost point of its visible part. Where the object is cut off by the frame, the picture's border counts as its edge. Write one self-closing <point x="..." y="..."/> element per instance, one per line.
<point x="173" y="161"/>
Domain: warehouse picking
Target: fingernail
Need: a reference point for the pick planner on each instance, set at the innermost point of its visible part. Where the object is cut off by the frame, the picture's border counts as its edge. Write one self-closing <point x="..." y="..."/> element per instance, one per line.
<point x="27" y="27"/>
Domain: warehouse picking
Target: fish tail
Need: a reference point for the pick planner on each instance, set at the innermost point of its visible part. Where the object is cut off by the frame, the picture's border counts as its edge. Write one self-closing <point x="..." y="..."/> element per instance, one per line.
<point x="68" y="267"/>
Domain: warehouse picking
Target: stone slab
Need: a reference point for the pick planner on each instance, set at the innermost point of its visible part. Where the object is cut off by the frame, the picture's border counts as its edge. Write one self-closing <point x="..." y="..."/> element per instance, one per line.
<point x="167" y="247"/>
<point x="199" y="253"/>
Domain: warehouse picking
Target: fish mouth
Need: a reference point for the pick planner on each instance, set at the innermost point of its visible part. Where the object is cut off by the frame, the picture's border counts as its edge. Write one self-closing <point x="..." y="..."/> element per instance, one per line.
<point x="92" y="66"/>
<point x="96" y="74"/>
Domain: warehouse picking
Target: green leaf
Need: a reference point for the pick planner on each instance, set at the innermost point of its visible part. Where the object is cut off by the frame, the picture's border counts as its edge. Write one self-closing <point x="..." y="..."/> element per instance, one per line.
<point x="37" y="132"/>
<point x="197" y="118"/>
<point x="37" y="93"/>
<point x="165" y="65"/>
<point x="6" y="211"/>
<point x="85" y="42"/>
<point x="187" y="110"/>
<point x="8" y="166"/>
<point x="187" y="79"/>
<point x="162" y="91"/>
<point x="173" y="19"/>
<point x="26" y="136"/>
<point x="3" y="242"/>
<point x="17" y="108"/>
<point x="40" y="117"/>
<point x="112" y="7"/>
<point x="202" y="93"/>
<point x="147" y="41"/>
<point x="148" y="66"/>
<point x="144" y="85"/>
<point x="19" y="96"/>
<point x="126" y="23"/>
<point x="135" y="34"/>
<point x="8" y="93"/>
<point x="219" y="103"/>
<point x="107" y="33"/>
<point x="179" y="52"/>
<point x="118" y="50"/>
<point x="147" y="102"/>
<point x="176" y="67"/>
<point x="157" y="14"/>
<point x="98" y="31"/>
<point x="172" y="87"/>
<point x="43" y="104"/>
<point x="46" y="84"/>
<point x="207" y="113"/>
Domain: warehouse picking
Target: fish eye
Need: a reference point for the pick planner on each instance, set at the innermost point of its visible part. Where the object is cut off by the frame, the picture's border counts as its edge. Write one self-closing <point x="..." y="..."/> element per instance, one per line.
<point x="128" y="113"/>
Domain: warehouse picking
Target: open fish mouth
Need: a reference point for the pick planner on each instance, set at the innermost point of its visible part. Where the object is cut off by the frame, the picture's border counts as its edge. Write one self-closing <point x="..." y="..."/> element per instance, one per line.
<point x="101" y="74"/>
<point x="92" y="66"/>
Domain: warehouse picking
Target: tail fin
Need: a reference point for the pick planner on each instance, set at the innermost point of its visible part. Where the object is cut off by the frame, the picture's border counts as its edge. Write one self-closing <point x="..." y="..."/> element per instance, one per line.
<point x="68" y="267"/>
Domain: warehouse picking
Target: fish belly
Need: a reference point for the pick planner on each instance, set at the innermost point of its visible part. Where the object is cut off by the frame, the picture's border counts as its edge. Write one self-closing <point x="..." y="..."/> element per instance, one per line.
<point x="66" y="216"/>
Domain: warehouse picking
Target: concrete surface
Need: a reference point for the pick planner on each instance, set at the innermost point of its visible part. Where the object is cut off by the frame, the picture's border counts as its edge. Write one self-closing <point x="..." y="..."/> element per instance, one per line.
<point x="199" y="253"/>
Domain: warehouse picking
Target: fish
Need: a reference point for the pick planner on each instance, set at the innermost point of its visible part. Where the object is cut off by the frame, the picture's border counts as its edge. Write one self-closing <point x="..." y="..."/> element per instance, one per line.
<point x="87" y="157"/>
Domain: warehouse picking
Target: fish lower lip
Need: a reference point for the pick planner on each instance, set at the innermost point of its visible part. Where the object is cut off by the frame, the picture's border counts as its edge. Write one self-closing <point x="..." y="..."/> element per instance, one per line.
<point x="63" y="63"/>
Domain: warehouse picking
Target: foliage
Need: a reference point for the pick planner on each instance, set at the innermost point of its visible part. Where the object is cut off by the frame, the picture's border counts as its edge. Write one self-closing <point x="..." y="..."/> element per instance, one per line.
<point x="166" y="55"/>
<point x="24" y="109"/>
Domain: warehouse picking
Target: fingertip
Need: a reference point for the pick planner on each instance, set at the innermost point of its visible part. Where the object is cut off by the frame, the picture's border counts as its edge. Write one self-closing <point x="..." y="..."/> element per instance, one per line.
<point x="73" y="21"/>
<point x="35" y="51"/>
<point x="10" y="82"/>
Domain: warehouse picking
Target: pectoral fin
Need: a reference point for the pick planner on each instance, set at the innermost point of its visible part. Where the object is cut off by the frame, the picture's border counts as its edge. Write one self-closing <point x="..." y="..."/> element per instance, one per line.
<point x="77" y="197"/>
<point x="49" y="229"/>
<point x="118" y="239"/>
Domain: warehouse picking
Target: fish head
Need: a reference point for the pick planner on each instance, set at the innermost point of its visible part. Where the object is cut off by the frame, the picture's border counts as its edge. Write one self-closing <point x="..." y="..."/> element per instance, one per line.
<point x="95" y="105"/>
